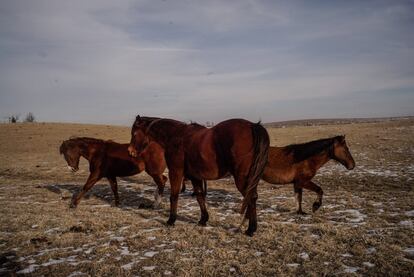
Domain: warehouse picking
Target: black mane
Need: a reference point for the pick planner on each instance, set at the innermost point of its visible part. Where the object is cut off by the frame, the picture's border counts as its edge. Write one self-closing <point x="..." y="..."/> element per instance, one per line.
<point x="306" y="150"/>
<point x="81" y="141"/>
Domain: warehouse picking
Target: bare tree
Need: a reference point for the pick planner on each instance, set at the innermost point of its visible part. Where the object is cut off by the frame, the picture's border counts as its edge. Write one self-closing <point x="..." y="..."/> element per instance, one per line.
<point x="14" y="118"/>
<point x="30" y="117"/>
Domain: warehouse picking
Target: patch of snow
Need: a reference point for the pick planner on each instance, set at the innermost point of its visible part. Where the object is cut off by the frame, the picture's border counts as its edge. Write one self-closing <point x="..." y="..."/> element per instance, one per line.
<point x="150" y="254"/>
<point x="368" y="264"/>
<point x="167" y="272"/>
<point x="409" y="251"/>
<point x="356" y="215"/>
<point x="89" y="251"/>
<point x="407" y="223"/>
<point x="76" y="273"/>
<point x="409" y="213"/>
<point x="31" y="268"/>
<point x="258" y="254"/>
<point x="118" y="238"/>
<point x="346" y="255"/>
<point x="150" y="230"/>
<point x="129" y="265"/>
<point x="350" y="269"/>
<point x="232" y="269"/>
<point x="123" y="228"/>
<point x="371" y="250"/>
<point x="125" y="251"/>
<point x="149" y="268"/>
<point x="293" y="265"/>
<point x="60" y="260"/>
<point x="52" y="230"/>
<point x="151" y="238"/>
<point x="304" y="256"/>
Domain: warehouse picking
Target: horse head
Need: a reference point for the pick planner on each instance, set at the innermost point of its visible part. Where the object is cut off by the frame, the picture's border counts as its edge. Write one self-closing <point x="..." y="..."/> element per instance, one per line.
<point x="139" y="135"/>
<point x="71" y="153"/>
<point x="341" y="153"/>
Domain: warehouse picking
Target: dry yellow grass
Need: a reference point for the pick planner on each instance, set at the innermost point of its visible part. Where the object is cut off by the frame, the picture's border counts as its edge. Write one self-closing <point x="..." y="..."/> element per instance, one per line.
<point x="365" y="226"/>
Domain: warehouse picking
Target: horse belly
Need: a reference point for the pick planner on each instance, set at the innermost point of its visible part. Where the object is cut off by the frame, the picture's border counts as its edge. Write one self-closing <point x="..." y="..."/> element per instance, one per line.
<point x="120" y="167"/>
<point x="278" y="175"/>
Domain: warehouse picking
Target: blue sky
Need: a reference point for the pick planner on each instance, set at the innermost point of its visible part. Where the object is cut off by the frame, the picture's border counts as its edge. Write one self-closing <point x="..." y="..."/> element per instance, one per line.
<point x="106" y="61"/>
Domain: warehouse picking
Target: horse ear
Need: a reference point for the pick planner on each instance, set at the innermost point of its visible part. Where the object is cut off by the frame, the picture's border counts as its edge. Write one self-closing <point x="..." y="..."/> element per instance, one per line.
<point x="138" y="118"/>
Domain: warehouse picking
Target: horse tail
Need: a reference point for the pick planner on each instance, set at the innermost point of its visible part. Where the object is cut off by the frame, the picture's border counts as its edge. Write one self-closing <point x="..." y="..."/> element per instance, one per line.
<point x="261" y="149"/>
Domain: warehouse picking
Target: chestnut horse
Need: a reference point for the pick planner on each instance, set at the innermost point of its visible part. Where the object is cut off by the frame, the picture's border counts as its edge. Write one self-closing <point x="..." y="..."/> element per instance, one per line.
<point x="236" y="146"/>
<point x="298" y="164"/>
<point x="110" y="159"/>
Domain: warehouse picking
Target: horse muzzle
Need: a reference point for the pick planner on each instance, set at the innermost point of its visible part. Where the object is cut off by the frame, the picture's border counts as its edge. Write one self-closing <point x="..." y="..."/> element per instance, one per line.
<point x="132" y="152"/>
<point x="350" y="166"/>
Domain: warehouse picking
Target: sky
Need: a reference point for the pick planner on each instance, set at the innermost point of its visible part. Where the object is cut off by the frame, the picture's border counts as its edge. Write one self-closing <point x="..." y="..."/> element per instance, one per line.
<point x="102" y="61"/>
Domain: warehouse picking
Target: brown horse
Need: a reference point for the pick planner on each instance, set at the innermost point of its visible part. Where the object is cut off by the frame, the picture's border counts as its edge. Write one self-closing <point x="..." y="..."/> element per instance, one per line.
<point x="298" y="164"/>
<point x="110" y="159"/>
<point x="236" y="146"/>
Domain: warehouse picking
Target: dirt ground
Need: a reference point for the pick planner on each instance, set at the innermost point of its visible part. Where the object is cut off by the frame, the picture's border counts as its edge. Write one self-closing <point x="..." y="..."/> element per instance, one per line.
<point x="365" y="226"/>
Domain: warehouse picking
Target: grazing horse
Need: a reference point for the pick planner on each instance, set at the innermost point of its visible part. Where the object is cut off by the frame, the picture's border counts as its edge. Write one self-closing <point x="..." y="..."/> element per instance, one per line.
<point x="298" y="164"/>
<point x="110" y="159"/>
<point x="236" y="146"/>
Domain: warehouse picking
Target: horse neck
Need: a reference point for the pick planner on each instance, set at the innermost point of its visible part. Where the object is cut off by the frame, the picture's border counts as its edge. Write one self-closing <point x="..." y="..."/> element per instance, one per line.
<point x="320" y="159"/>
<point x="166" y="133"/>
<point x="85" y="150"/>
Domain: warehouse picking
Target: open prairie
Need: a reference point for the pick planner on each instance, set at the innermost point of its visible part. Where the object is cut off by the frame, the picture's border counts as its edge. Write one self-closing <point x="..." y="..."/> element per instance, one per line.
<point x="364" y="227"/>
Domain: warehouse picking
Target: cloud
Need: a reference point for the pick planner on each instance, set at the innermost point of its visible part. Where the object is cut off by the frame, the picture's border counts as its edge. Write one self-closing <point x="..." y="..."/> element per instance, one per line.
<point x="105" y="61"/>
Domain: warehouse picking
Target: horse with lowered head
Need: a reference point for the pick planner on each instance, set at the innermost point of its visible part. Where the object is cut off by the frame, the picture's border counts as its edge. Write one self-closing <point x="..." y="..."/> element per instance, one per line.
<point x="298" y="164"/>
<point x="108" y="159"/>
<point x="236" y="146"/>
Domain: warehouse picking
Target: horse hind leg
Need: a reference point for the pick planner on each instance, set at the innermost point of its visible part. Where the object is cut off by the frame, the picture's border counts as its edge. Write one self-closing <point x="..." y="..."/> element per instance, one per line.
<point x="201" y="199"/>
<point x="250" y="213"/>
<point x="176" y="178"/>
<point x="114" y="187"/>
<point x="298" y="198"/>
<point x="252" y="216"/>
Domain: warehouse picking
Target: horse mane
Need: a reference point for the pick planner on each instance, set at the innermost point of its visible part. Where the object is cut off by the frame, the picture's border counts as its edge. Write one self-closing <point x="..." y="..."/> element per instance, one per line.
<point x="196" y="125"/>
<point x="81" y="141"/>
<point x="306" y="150"/>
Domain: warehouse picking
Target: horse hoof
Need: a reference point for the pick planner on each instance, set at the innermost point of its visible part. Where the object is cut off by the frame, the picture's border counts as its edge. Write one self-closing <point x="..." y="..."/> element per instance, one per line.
<point x="170" y="222"/>
<point x="249" y="233"/>
<point x="202" y="223"/>
<point x="300" y="213"/>
<point x="73" y="205"/>
<point x="316" y="206"/>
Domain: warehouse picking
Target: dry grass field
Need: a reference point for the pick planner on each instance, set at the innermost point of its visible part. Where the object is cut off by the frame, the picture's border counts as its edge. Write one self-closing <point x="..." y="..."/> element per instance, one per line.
<point x="365" y="226"/>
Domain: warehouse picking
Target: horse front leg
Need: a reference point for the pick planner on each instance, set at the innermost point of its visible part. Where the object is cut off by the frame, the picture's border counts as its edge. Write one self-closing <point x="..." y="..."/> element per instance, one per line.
<point x="114" y="187"/>
<point x="160" y="180"/>
<point x="176" y="177"/>
<point x="298" y="198"/>
<point x="201" y="199"/>
<point x="92" y="179"/>
<point x="318" y="190"/>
